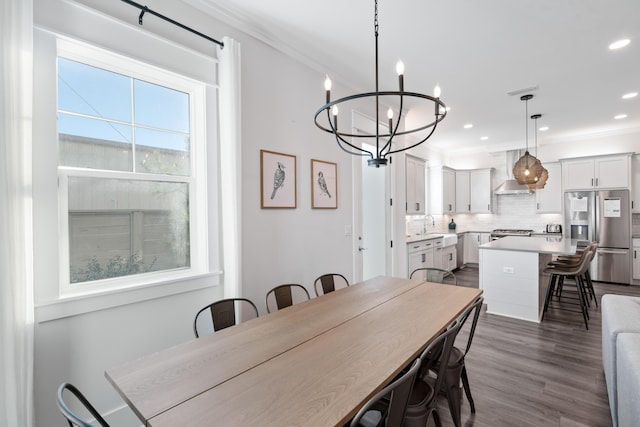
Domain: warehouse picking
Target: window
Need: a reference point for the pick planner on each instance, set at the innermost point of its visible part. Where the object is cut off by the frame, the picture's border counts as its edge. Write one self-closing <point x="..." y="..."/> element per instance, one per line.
<point x="129" y="139"/>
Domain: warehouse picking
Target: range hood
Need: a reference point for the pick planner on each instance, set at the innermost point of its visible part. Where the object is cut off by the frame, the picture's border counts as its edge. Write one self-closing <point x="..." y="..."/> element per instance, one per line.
<point x="511" y="186"/>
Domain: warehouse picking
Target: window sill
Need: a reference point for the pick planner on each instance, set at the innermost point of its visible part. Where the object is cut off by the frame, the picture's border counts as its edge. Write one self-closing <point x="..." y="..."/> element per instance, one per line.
<point x="81" y="304"/>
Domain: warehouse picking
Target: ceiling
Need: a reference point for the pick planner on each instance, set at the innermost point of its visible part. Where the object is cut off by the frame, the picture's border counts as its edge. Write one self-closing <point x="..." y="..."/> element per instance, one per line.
<point x="477" y="51"/>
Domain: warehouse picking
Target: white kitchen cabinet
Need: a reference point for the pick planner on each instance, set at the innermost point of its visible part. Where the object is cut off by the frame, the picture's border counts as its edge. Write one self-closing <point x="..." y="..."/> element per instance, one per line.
<point x="463" y="204"/>
<point x="600" y="172"/>
<point x="415" y="186"/>
<point x="473" y="191"/>
<point x="472" y="242"/>
<point x="549" y="198"/>
<point x="635" y="184"/>
<point x="438" y="257"/>
<point x="420" y="255"/>
<point x="636" y="259"/>
<point x="449" y="258"/>
<point x="442" y="190"/>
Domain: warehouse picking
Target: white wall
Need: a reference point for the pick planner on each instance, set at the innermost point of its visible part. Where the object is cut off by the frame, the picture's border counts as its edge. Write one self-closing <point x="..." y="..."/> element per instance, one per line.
<point x="279" y="97"/>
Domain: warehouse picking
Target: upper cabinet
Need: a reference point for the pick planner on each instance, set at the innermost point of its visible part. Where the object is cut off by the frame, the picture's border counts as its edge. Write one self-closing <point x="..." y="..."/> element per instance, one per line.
<point x="415" y="185"/>
<point x="602" y="172"/>
<point x="473" y="191"/>
<point x="635" y="184"/>
<point x="442" y="190"/>
<point x="549" y="198"/>
<point x="463" y="192"/>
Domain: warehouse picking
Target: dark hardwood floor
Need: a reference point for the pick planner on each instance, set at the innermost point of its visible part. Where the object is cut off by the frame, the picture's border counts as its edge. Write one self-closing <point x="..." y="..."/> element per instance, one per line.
<point x="527" y="374"/>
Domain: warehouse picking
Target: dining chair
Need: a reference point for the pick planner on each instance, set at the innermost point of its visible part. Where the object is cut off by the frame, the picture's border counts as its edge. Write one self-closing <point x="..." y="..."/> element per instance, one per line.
<point x="435" y="359"/>
<point x="286" y="295"/>
<point x="329" y="283"/>
<point x="437" y="275"/>
<point x="388" y="406"/>
<point x="456" y="370"/>
<point x="72" y="418"/>
<point x="222" y="314"/>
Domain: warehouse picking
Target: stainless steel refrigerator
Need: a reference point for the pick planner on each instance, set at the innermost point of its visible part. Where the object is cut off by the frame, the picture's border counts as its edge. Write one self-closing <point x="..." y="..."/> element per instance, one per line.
<point x="602" y="216"/>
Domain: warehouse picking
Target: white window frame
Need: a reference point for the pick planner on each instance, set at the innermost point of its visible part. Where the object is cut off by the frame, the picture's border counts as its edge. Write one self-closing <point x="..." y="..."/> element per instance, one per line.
<point x="198" y="224"/>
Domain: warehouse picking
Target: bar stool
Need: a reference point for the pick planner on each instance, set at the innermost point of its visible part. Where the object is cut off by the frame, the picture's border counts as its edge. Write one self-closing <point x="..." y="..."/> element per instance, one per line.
<point x="573" y="261"/>
<point x="576" y="272"/>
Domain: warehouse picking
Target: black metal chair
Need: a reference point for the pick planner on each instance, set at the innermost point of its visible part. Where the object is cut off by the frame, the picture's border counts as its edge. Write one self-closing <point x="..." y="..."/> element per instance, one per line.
<point x="388" y="406"/>
<point x="286" y="295"/>
<point x="329" y="283"/>
<point x="222" y="314"/>
<point x="456" y="369"/>
<point x="437" y="275"/>
<point x="435" y="359"/>
<point x="72" y="418"/>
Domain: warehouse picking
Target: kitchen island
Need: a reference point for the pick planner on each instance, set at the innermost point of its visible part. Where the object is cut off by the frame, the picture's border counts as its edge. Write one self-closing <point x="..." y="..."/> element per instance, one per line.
<point x="511" y="273"/>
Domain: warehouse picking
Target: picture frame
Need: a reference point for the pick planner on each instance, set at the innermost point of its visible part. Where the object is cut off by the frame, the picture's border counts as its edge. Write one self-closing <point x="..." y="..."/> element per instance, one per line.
<point x="324" y="184"/>
<point x="278" y="187"/>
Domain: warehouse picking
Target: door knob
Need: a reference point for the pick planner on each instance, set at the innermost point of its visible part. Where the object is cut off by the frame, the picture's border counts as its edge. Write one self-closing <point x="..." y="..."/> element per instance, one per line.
<point x="360" y="248"/>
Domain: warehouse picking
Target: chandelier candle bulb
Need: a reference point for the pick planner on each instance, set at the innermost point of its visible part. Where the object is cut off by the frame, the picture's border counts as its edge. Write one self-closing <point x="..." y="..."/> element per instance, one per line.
<point x="327" y="87"/>
<point x="390" y="117"/>
<point x="437" y="91"/>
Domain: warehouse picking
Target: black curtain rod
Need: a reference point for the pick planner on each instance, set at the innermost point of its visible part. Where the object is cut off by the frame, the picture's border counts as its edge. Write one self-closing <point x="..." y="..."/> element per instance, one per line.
<point x="145" y="9"/>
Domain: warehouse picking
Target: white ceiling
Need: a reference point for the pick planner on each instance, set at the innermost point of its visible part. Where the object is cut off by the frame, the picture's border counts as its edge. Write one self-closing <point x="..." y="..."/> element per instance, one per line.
<point x="477" y="51"/>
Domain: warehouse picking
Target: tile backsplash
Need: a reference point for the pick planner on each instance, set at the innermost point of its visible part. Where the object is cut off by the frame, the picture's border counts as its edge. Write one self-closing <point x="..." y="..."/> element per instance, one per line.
<point x="513" y="211"/>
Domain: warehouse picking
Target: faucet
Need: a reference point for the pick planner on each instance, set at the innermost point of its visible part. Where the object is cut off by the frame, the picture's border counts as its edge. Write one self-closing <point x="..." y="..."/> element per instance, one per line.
<point x="424" y="223"/>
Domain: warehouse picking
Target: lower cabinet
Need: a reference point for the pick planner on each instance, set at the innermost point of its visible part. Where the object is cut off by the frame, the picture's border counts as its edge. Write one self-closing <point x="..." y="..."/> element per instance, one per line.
<point x="471" y="243"/>
<point x="449" y="258"/>
<point x="431" y="254"/>
<point x="420" y="255"/>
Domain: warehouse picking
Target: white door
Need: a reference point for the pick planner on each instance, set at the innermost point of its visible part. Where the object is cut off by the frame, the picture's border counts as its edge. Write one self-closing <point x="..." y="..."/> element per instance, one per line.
<point x="374" y="219"/>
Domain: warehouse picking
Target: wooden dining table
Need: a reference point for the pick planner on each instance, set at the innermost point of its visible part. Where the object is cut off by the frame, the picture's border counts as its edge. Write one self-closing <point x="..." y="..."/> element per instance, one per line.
<point x="314" y="363"/>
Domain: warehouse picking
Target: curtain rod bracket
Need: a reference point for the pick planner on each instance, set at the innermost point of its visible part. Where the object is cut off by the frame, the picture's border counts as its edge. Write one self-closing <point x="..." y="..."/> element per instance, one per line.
<point x="145" y="9"/>
<point x="142" y="11"/>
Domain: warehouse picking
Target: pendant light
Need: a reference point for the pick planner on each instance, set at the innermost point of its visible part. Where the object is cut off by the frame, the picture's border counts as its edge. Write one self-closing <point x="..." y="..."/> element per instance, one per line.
<point x="544" y="176"/>
<point x="527" y="169"/>
<point x="382" y="140"/>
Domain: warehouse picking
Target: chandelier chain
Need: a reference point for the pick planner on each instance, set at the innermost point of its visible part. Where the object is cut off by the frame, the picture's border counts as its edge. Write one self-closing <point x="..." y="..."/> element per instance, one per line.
<point x="375" y="18"/>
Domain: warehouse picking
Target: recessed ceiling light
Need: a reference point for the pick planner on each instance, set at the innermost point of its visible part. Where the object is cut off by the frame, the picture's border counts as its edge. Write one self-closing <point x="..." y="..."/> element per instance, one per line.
<point x="468" y="126"/>
<point x="620" y="116"/>
<point x="629" y="95"/>
<point x="484" y="138"/>
<point x="618" y="44"/>
<point x="543" y="128"/>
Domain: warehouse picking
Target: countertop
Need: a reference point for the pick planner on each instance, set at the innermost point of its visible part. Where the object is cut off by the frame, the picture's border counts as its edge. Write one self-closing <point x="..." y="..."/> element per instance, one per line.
<point x="539" y="244"/>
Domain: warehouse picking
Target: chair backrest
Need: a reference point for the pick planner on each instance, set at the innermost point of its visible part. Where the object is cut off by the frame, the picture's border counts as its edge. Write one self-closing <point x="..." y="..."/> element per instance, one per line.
<point x="399" y="392"/>
<point x="436" y="275"/>
<point x="285" y="295"/>
<point x="72" y="418"/>
<point x="474" y="309"/>
<point x="436" y="356"/>
<point x="222" y="314"/>
<point x="329" y="283"/>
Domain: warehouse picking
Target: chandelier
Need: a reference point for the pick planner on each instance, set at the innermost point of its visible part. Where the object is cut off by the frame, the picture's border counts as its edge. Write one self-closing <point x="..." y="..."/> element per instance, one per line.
<point x="544" y="176"/>
<point x="528" y="169"/>
<point x="383" y="139"/>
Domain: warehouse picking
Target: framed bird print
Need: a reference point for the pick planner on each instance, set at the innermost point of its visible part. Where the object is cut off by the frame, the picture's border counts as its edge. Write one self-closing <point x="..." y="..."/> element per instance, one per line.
<point x="324" y="185"/>
<point x="277" y="180"/>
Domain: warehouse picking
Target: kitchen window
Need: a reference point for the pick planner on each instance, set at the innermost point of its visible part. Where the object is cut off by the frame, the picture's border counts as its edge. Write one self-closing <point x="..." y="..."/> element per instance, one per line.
<point x="131" y="174"/>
